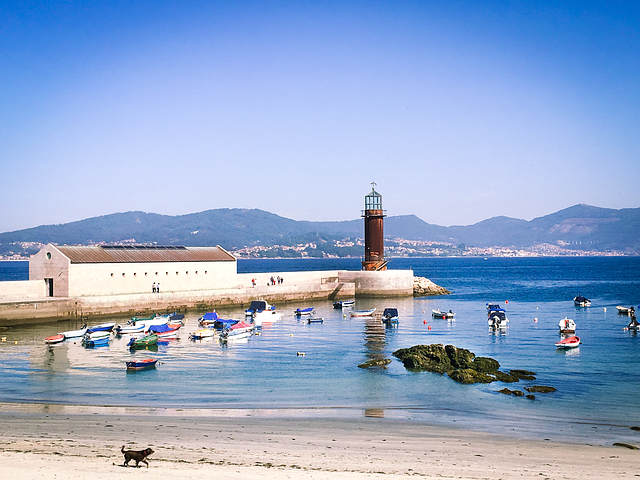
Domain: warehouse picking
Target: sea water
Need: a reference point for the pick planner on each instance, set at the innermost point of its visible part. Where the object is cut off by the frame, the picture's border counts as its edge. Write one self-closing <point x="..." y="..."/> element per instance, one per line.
<point x="597" y="383"/>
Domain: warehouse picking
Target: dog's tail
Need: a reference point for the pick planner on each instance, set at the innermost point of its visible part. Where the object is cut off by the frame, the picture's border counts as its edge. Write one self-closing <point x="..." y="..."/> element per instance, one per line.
<point x="122" y="449"/>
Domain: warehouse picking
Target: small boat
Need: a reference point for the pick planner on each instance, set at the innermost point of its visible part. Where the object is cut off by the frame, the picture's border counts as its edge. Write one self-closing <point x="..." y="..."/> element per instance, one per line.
<point x="569" y="342"/>
<point x="98" y="334"/>
<point x="221" y="323"/>
<point x="166" y="330"/>
<point x="344" y="303"/>
<point x="208" y="318"/>
<point x="303" y="311"/>
<point x="626" y="310"/>
<point x="139" y="328"/>
<point x="237" y="331"/>
<point x="390" y="315"/>
<point x="202" y="333"/>
<point x="257" y="306"/>
<point x="315" y="320"/>
<point x="363" y="313"/>
<point x="444" y="315"/>
<point x="266" y="316"/>
<point x="134" y="320"/>
<point x="497" y="316"/>
<point x="75" y="333"/>
<point x="143" y="342"/>
<point x="142" y="364"/>
<point x="96" y="342"/>
<point x="581" y="301"/>
<point x="103" y="327"/>
<point x="566" y="325"/>
<point x="633" y="324"/>
<point x="53" y="339"/>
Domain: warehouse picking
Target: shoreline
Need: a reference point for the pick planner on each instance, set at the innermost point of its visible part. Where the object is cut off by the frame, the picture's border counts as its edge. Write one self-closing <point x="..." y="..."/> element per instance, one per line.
<point x="264" y="444"/>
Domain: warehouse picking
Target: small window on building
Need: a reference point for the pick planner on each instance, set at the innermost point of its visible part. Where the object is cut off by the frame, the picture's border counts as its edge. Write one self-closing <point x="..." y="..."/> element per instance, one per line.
<point x="135" y="274"/>
<point x="176" y="273"/>
<point x="123" y="274"/>
<point x="156" y="274"/>
<point x="196" y="272"/>
<point x="48" y="255"/>
<point x="186" y="273"/>
<point x="205" y="272"/>
<point x="166" y="273"/>
<point x="112" y="274"/>
<point x="145" y="274"/>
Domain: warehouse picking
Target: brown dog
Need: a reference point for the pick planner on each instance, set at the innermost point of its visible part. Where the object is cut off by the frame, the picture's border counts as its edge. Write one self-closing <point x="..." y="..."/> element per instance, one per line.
<point x="137" y="455"/>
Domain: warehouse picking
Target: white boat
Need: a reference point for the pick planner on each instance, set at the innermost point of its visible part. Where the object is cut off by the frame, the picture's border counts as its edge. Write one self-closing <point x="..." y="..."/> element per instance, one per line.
<point x="566" y="325"/>
<point x="98" y="334"/>
<point x="75" y="333"/>
<point x="581" y="301"/>
<point x="102" y="327"/>
<point x="344" y="303"/>
<point x="237" y="331"/>
<point x="202" y="333"/>
<point x="261" y="312"/>
<point x="437" y="313"/>
<point x="139" y="328"/>
<point x="626" y="310"/>
<point x="363" y="313"/>
<point x="497" y="317"/>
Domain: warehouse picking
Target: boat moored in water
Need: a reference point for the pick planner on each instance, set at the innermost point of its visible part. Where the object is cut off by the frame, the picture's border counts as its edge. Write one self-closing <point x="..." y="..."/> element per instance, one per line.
<point x="437" y="313"/>
<point x="53" y="339"/>
<point x="298" y="312"/>
<point x="142" y="364"/>
<point x="566" y="325"/>
<point x="497" y="316"/>
<point x="96" y="342"/>
<point x="344" y="303"/>
<point x="363" y="313"/>
<point x="237" y="331"/>
<point x="75" y="333"/>
<point x="626" y="310"/>
<point x="569" y="342"/>
<point x="143" y="342"/>
<point x="390" y="315"/>
<point x="202" y="334"/>
<point x="581" y="301"/>
<point x="103" y="327"/>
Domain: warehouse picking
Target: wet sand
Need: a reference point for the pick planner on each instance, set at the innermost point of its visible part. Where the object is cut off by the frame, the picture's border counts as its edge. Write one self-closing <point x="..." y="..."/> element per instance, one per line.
<point x="65" y="442"/>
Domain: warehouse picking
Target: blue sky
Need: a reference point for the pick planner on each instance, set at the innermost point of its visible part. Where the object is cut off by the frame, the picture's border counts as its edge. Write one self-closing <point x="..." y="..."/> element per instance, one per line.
<point x="458" y="110"/>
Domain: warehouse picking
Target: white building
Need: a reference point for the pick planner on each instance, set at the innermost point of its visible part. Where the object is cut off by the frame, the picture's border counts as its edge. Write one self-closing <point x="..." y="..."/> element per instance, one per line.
<point x="80" y="271"/>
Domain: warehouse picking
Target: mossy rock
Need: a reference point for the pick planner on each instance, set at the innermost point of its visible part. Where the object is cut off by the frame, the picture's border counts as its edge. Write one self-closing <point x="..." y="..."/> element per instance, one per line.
<point x="504" y="377"/>
<point x="531" y="397"/>
<point x="522" y="374"/>
<point x="485" y="364"/>
<point x="518" y="393"/>
<point x="459" y="357"/>
<point x="637" y="429"/>
<point x="539" y="389"/>
<point x="506" y="391"/>
<point x="375" y="363"/>
<point x="430" y="358"/>
<point x="469" y="375"/>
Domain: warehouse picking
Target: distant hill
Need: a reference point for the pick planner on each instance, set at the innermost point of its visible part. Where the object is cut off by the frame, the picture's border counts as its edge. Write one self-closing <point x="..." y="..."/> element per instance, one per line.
<point x="578" y="227"/>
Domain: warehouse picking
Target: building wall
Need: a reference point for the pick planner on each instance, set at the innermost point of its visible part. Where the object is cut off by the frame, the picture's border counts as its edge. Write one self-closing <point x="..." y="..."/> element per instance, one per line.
<point x="22" y="289"/>
<point x="381" y="283"/>
<point x="50" y="263"/>
<point x="90" y="279"/>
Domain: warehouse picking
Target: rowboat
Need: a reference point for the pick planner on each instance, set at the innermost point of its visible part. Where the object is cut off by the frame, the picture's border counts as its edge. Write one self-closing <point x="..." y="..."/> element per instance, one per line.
<point x="566" y="325"/>
<point x="303" y="311"/>
<point x="142" y="364"/>
<point x="143" y="342"/>
<point x="315" y="320"/>
<point x="437" y="313"/>
<point x="569" y="342"/>
<point x="138" y="328"/>
<point x="103" y="327"/>
<point x="626" y="310"/>
<point x="237" y="331"/>
<point x="75" y="333"/>
<point x="344" y="303"/>
<point x="99" y="334"/>
<point x="203" y="333"/>
<point x="96" y="342"/>
<point x="166" y="330"/>
<point x="363" y="313"/>
<point x="581" y="301"/>
<point x="390" y="315"/>
<point x="54" y="339"/>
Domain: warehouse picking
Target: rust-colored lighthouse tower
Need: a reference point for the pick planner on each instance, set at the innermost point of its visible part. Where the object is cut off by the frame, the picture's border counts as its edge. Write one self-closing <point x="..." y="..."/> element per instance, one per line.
<point x="373" y="232"/>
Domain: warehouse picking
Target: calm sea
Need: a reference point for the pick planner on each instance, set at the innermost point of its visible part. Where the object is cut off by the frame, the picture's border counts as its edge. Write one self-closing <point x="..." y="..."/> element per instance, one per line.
<point x="597" y="384"/>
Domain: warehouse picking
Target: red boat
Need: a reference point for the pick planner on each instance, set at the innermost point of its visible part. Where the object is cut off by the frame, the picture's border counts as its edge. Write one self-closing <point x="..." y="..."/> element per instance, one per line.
<point x="54" y="339"/>
<point x="569" y="342"/>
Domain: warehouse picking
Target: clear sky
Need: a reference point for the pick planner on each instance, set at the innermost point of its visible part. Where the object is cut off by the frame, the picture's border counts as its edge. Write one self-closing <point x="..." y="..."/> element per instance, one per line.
<point x="458" y="110"/>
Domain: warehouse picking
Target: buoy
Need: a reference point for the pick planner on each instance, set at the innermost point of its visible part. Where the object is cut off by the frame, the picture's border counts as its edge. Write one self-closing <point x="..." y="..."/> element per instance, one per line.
<point x="506" y="301"/>
<point x="4" y="339"/>
<point x="625" y="329"/>
<point x="429" y="327"/>
<point x="535" y="319"/>
<point x="424" y="321"/>
<point x="291" y="334"/>
<point x="422" y="311"/>
<point x="16" y="342"/>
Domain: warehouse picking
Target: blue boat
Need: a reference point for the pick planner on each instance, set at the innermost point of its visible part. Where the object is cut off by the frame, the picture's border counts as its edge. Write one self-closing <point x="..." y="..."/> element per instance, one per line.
<point x="390" y="315"/>
<point x="103" y="327"/>
<point x="96" y="342"/>
<point x="142" y="364"/>
<point x="208" y="319"/>
<point x="303" y="311"/>
<point x="344" y="303"/>
<point x="222" y="323"/>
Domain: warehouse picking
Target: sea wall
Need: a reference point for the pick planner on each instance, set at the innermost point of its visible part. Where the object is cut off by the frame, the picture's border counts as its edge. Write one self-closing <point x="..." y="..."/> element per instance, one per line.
<point x="24" y="289"/>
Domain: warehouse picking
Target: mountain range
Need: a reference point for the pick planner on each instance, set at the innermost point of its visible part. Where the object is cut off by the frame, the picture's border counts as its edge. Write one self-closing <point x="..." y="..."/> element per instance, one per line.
<point x="581" y="227"/>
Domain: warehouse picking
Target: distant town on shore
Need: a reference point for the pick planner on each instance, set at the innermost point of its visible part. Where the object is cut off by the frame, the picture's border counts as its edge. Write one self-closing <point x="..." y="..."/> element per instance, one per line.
<point x="581" y="230"/>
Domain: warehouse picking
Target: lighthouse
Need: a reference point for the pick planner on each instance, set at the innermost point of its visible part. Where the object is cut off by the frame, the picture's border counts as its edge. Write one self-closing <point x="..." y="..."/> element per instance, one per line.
<point x="373" y="232"/>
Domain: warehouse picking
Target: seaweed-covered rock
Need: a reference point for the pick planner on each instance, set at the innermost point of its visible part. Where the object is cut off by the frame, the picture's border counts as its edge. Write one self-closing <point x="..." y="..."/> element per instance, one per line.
<point x="637" y="429"/>
<point x="625" y="445"/>
<point x="469" y="375"/>
<point x="430" y="358"/>
<point x="506" y="391"/>
<point x="531" y="397"/>
<point x="485" y="364"/>
<point x="459" y="357"/>
<point x="518" y="393"/>
<point x="522" y="374"/>
<point x="375" y="363"/>
<point x="503" y="377"/>
<point x="539" y="389"/>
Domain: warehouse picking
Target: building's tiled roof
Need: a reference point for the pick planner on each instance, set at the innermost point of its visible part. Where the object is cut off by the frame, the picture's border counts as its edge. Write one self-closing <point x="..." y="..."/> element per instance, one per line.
<point x="143" y="254"/>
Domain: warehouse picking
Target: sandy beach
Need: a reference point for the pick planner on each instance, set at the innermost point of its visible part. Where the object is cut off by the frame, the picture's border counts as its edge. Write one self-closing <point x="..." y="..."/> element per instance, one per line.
<point x="64" y="442"/>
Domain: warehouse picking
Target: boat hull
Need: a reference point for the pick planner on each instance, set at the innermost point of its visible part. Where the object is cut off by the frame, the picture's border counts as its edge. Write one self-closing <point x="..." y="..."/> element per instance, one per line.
<point x="142" y="364"/>
<point x="571" y="342"/>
